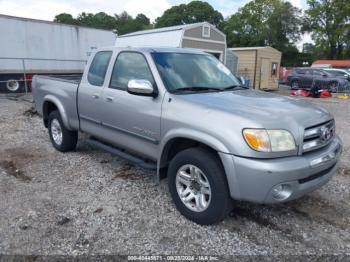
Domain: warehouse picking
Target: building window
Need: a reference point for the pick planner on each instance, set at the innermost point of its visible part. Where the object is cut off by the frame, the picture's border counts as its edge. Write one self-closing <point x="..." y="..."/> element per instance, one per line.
<point x="206" y="31"/>
<point x="274" y="69"/>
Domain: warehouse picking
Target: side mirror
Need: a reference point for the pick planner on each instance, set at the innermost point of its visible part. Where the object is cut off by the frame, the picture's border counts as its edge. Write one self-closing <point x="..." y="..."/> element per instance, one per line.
<point x="141" y="87"/>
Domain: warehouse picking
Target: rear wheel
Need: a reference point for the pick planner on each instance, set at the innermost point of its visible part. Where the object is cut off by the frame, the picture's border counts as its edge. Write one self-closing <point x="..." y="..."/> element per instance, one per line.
<point x="61" y="138"/>
<point x="295" y="84"/>
<point x="198" y="186"/>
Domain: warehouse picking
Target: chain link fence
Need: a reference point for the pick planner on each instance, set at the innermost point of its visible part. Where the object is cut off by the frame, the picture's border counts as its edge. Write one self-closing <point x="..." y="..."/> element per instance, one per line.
<point x="16" y="73"/>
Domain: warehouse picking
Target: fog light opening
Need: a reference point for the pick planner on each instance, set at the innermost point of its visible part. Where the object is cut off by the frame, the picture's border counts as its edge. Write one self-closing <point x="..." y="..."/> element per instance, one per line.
<point x="282" y="192"/>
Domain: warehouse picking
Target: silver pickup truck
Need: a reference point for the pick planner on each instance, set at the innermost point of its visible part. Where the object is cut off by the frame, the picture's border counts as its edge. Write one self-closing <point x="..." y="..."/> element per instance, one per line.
<point x="184" y="114"/>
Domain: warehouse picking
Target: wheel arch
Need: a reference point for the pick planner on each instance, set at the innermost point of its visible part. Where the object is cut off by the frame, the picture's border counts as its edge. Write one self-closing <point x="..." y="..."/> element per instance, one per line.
<point x="176" y="141"/>
<point x="50" y="104"/>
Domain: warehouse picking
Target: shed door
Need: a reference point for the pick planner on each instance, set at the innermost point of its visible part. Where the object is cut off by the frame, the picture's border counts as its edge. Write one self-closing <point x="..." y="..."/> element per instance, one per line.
<point x="264" y="73"/>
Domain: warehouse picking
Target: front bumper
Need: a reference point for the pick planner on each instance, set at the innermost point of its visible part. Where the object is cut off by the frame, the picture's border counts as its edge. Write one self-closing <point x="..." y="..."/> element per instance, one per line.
<point x="254" y="179"/>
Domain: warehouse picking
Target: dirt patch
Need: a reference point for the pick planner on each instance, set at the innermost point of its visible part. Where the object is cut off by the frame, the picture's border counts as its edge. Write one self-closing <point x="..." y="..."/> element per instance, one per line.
<point x="12" y="170"/>
<point x="20" y="153"/>
<point x="16" y="159"/>
<point x="30" y="112"/>
<point x="322" y="212"/>
<point x="98" y="210"/>
<point x="127" y="172"/>
<point x="344" y="171"/>
<point x="251" y="214"/>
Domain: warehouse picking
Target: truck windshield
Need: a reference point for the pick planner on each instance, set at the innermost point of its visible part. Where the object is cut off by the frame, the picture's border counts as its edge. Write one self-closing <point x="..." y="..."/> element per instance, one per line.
<point x="193" y="72"/>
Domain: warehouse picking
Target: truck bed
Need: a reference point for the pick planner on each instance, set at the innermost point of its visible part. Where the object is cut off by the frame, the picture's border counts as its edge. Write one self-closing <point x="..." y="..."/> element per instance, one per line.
<point x="61" y="87"/>
<point x="73" y="78"/>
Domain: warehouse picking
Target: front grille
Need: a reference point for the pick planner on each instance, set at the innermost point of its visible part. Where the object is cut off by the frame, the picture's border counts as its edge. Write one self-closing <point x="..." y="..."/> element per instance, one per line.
<point x="317" y="175"/>
<point x="318" y="136"/>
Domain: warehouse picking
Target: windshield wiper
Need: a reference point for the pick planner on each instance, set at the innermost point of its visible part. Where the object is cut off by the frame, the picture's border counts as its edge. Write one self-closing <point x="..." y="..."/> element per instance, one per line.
<point x="196" y="88"/>
<point x="233" y="87"/>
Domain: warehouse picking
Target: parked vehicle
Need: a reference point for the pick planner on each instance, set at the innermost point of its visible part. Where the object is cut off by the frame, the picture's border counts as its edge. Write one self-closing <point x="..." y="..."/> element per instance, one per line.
<point x="343" y="73"/>
<point x="183" y="113"/>
<point x="283" y="74"/>
<point x="29" y="47"/>
<point x="305" y="78"/>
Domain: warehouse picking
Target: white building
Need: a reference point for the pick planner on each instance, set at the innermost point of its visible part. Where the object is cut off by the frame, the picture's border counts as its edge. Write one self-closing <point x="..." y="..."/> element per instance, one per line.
<point x="203" y="36"/>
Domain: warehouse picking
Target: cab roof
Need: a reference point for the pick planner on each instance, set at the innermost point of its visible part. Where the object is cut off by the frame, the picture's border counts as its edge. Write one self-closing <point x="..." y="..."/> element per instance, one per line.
<point x="155" y="49"/>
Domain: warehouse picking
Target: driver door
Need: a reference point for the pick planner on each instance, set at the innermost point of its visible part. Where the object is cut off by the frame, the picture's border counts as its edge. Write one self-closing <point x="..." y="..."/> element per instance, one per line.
<point x="131" y="121"/>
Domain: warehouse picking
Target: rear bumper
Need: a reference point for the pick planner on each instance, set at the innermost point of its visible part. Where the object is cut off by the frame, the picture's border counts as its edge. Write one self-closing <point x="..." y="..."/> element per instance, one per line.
<point x="254" y="180"/>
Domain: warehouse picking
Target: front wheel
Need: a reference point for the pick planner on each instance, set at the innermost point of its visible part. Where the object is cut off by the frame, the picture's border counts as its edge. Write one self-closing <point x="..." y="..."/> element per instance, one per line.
<point x="61" y="138"/>
<point x="198" y="186"/>
<point x="333" y="86"/>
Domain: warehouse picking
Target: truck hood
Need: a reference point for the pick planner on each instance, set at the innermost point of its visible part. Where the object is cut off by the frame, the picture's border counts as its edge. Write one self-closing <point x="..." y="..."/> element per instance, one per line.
<point x="265" y="109"/>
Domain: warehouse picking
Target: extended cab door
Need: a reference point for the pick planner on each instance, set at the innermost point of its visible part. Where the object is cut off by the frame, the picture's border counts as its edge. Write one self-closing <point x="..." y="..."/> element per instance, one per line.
<point x="90" y="93"/>
<point x="131" y="121"/>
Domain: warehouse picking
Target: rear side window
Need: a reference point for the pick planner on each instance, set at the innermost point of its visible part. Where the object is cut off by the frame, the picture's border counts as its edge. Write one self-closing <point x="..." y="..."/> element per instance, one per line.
<point x="318" y="73"/>
<point x="98" y="68"/>
<point x="130" y="65"/>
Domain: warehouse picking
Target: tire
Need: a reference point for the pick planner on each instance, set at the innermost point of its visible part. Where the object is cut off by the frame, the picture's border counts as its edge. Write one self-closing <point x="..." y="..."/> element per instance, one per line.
<point x="61" y="138"/>
<point x="333" y="86"/>
<point x="12" y="85"/>
<point x="294" y="84"/>
<point x="218" y="203"/>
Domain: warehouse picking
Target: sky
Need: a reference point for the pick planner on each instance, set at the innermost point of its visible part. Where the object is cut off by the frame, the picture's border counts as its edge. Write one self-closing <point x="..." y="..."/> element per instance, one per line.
<point x="48" y="9"/>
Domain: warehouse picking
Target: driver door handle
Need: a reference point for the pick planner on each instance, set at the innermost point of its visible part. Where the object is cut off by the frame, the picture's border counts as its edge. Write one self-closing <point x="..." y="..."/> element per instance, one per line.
<point x="109" y="99"/>
<point x="96" y="96"/>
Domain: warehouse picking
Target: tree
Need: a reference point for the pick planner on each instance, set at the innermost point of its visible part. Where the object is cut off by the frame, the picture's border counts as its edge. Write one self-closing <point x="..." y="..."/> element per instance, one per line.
<point x="329" y="24"/>
<point x="100" y="20"/>
<point x="126" y="24"/>
<point x="264" y="22"/>
<point x="122" y="23"/>
<point x="194" y="12"/>
<point x="65" y="18"/>
<point x="142" y="19"/>
<point x="275" y="23"/>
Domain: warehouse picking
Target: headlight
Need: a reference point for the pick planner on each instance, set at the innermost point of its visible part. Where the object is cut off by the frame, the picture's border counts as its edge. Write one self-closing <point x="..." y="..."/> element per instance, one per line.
<point x="269" y="140"/>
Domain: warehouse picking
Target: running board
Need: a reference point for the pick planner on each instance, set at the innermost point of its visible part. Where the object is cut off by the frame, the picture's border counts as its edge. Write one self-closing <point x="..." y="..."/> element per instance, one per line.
<point x="127" y="156"/>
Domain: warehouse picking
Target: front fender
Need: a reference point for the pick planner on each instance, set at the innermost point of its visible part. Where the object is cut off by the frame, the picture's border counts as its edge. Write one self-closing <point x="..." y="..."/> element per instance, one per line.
<point x="60" y="107"/>
<point x="212" y="142"/>
<point x="199" y="136"/>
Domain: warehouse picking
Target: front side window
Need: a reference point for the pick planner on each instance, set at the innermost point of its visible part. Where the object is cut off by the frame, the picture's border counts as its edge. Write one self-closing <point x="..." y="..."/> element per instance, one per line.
<point x="98" y="68"/>
<point x="193" y="71"/>
<point x="336" y="73"/>
<point x="128" y="66"/>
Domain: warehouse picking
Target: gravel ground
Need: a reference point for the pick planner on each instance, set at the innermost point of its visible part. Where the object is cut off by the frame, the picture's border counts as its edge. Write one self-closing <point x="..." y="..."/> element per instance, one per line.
<point x="89" y="202"/>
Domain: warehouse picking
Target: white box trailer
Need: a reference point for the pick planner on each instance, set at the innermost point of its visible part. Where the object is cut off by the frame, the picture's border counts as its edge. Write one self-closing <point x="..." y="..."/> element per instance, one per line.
<point x="43" y="47"/>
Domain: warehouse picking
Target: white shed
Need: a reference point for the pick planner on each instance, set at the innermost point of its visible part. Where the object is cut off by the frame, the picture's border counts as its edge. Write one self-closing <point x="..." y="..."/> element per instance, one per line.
<point x="203" y="36"/>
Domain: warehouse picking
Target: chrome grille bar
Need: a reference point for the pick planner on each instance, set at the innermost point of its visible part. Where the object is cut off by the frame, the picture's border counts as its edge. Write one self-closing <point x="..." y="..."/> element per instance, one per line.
<point x="318" y="136"/>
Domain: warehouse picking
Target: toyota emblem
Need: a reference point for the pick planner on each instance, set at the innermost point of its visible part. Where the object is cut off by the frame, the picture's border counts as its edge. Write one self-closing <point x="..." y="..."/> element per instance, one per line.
<point x="326" y="133"/>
